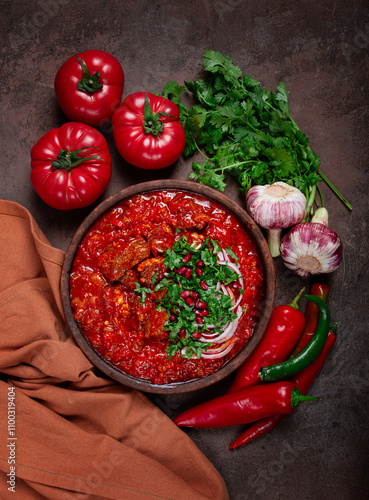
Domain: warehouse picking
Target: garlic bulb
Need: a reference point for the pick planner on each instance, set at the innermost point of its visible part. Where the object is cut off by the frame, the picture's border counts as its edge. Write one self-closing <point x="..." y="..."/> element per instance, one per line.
<point x="312" y="247"/>
<point x="275" y="207"/>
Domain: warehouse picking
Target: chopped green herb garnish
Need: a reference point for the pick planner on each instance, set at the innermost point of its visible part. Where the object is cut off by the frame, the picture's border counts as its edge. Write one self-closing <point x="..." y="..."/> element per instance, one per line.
<point x="142" y="291"/>
<point x="189" y="286"/>
<point x="231" y="253"/>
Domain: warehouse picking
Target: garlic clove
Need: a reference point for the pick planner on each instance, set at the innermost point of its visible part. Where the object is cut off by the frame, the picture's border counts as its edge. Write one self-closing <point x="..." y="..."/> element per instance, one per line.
<point x="311" y="248"/>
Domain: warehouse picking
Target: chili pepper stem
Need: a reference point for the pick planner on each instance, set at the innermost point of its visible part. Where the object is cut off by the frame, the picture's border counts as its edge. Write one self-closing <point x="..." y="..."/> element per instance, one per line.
<point x="297" y="397"/>
<point x="334" y="327"/>
<point x="295" y="301"/>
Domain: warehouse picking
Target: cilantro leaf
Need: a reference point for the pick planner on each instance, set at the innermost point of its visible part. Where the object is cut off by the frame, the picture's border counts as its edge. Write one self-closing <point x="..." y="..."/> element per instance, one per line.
<point x="173" y="91"/>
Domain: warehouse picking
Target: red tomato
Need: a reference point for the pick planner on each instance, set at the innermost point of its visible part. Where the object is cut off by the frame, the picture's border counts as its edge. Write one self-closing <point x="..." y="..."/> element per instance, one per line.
<point x="147" y="131"/>
<point x="89" y="87"/>
<point x="71" y="166"/>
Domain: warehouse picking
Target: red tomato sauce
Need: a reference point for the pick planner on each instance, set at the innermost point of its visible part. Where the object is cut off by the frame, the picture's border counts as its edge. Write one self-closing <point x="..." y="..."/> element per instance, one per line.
<point x="127" y="245"/>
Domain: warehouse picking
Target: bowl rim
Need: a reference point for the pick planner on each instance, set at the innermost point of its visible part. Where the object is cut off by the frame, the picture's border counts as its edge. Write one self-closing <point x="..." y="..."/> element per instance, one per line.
<point x="264" y="313"/>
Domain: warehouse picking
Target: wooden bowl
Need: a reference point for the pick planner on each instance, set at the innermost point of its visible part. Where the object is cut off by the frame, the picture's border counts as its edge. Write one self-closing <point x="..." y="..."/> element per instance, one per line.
<point x="263" y="317"/>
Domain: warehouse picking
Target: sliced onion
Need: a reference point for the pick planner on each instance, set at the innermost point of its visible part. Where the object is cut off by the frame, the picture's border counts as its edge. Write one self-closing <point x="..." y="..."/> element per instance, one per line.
<point x="227" y="262"/>
<point x="219" y="347"/>
<point x="210" y="337"/>
<point x="229" y="292"/>
<point x="227" y="333"/>
<point x="237" y="302"/>
<point x="210" y="327"/>
<point x="217" y="353"/>
<point x="220" y="256"/>
<point x="237" y="271"/>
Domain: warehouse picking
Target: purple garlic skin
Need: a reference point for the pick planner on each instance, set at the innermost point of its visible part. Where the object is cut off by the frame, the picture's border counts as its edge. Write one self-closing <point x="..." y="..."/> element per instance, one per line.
<point x="311" y="248"/>
<point x="276" y="206"/>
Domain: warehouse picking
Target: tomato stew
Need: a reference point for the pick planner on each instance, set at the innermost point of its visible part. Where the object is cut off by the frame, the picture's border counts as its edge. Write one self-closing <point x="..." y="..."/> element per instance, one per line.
<point x="124" y="250"/>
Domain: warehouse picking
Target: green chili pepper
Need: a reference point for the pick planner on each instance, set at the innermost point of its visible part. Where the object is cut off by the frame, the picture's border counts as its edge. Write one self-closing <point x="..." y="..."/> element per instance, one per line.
<point x="305" y="357"/>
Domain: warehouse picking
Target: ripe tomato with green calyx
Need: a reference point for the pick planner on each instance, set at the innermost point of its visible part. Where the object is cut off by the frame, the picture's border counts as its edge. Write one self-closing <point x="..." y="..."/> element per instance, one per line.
<point x="147" y="131"/>
<point x="89" y="87"/>
<point x="71" y="166"/>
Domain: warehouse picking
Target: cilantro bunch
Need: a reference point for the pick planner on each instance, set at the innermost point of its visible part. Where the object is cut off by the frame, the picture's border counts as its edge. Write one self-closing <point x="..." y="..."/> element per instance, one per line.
<point x="245" y="130"/>
<point x="182" y="324"/>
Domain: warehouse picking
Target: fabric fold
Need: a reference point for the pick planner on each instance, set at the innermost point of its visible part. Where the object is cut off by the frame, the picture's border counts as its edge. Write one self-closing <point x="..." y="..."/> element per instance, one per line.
<point x="77" y="433"/>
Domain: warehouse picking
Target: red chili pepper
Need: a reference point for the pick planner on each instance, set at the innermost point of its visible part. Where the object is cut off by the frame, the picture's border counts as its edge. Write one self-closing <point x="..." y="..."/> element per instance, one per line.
<point x="245" y="406"/>
<point x="305" y="378"/>
<point x="302" y="381"/>
<point x="311" y="316"/>
<point x="284" y="329"/>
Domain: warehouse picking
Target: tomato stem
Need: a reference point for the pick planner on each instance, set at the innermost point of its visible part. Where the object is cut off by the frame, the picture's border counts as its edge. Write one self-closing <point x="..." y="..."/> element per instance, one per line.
<point x="67" y="160"/>
<point x="151" y="121"/>
<point x="89" y="83"/>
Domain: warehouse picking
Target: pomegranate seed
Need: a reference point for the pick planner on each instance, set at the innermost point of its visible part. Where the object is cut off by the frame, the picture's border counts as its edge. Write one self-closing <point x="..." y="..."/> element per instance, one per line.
<point x="195" y="295"/>
<point x="181" y="270"/>
<point x="182" y="333"/>
<point x="204" y="312"/>
<point x="185" y="294"/>
<point x="203" y="285"/>
<point x="187" y="273"/>
<point x="172" y="317"/>
<point x="189" y="301"/>
<point x="201" y="305"/>
<point x="200" y="263"/>
<point x="198" y="271"/>
<point x="186" y="258"/>
<point x="199" y="320"/>
<point x="197" y="311"/>
<point x="196" y="335"/>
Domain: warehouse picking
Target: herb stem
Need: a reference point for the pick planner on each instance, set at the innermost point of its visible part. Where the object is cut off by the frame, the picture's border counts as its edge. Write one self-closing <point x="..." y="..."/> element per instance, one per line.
<point x="235" y="165"/>
<point x="249" y="125"/>
<point x="310" y="202"/>
<point x="199" y="150"/>
<point x="320" y="196"/>
<point x="335" y="190"/>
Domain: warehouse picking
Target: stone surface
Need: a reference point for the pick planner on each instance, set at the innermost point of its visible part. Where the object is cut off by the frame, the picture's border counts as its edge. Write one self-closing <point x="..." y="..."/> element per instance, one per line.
<point x="320" y="50"/>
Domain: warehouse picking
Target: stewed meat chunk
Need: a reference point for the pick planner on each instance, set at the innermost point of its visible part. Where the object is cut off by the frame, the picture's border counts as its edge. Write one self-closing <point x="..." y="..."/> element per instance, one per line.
<point x="151" y="271"/>
<point x="154" y="325"/>
<point x="117" y="259"/>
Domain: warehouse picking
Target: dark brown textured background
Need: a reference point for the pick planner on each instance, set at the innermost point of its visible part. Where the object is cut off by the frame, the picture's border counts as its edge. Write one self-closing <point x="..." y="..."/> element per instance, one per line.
<point x="321" y="51"/>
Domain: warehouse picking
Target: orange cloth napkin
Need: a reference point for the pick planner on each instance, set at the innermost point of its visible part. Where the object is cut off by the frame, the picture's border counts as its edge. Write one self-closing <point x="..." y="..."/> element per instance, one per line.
<point x="77" y="434"/>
